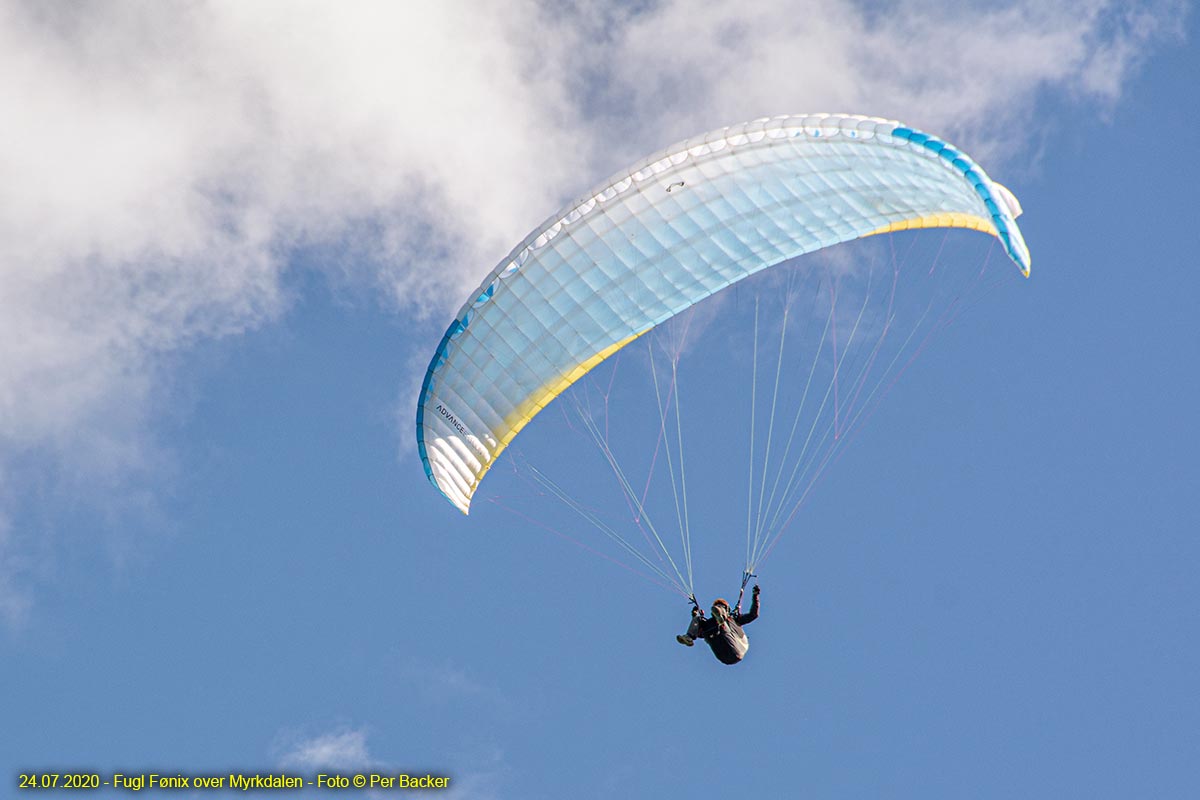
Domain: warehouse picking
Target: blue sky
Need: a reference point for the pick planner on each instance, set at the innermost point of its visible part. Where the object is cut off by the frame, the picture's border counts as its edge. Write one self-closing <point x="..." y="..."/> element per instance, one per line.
<point x="227" y="255"/>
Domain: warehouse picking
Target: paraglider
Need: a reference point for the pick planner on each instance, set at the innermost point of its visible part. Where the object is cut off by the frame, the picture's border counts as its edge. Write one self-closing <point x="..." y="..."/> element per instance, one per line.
<point x="656" y="239"/>
<point x="723" y="632"/>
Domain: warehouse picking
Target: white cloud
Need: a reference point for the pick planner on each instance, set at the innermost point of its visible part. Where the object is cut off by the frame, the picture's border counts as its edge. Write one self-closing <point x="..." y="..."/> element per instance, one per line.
<point x="970" y="74"/>
<point x="164" y="163"/>
<point x="475" y="774"/>
<point x="340" y="750"/>
<point x="169" y="159"/>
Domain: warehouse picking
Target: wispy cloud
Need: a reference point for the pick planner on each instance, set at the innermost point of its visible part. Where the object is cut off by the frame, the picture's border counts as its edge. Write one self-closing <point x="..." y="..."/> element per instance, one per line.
<point x="974" y="73"/>
<point x="14" y="593"/>
<point x="344" y="749"/>
<point x="166" y="163"/>
<point x="476" y="775"/>
<point x="485" y="779"/>
<point x="446" y="682"/>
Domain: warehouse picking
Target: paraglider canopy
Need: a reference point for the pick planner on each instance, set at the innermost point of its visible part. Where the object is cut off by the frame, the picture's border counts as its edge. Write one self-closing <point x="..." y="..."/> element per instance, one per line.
<point x="663" y="235"/>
